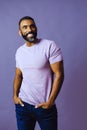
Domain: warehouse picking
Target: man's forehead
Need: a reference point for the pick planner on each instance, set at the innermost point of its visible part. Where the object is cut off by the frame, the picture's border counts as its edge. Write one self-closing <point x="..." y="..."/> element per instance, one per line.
<point x="27" y="22"/>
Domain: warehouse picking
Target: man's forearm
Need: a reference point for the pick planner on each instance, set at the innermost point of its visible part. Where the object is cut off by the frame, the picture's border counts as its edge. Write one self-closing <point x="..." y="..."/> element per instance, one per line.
<point x="17" y="84"/>
<point x="57" y="84"/>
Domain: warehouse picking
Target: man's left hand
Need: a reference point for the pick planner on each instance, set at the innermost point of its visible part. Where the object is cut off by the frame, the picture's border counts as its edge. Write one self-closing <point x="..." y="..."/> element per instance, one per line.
<point x="44" y="105"/>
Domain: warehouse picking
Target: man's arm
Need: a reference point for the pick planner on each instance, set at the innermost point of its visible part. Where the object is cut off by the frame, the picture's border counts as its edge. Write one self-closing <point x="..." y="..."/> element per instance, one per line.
<point x="58" y="71"/>
<point x="16" y="87"/>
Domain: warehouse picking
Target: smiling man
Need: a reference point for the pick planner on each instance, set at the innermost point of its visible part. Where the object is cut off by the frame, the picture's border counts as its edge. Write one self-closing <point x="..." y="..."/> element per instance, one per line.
<point x="38" y="79"/>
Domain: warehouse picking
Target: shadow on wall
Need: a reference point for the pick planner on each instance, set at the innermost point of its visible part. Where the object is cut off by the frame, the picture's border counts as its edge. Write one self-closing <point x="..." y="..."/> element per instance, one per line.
<point x="73" y="96"/>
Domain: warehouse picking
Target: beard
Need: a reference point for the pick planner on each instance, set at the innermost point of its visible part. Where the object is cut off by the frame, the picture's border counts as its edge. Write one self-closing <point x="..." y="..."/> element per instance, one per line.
<point x="30" y="37"/>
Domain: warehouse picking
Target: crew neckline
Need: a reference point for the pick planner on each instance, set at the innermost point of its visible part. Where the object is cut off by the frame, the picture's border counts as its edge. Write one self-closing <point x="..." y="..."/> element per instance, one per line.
<point x="33" y="44"/>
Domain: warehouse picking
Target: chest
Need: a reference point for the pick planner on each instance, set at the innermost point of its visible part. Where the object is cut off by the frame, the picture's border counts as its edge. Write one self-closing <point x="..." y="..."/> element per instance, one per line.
<point x="33" y="59"/>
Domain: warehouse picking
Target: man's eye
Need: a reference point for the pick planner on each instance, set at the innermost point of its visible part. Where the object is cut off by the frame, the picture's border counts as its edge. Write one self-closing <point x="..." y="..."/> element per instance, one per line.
<point x="24" y="27"/>
<point x="32" y="26"/>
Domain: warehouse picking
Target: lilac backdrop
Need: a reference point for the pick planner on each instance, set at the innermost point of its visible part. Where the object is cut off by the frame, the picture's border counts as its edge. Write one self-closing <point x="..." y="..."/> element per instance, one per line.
<point x="65" y="22"/>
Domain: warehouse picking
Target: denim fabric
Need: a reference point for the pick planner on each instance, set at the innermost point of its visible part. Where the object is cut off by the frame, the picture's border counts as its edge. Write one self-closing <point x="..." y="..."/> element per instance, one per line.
<point x="28" y="115"/>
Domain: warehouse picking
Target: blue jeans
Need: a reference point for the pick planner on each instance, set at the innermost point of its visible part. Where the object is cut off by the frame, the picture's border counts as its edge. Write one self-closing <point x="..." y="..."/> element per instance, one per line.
<point x="28" y="115"/>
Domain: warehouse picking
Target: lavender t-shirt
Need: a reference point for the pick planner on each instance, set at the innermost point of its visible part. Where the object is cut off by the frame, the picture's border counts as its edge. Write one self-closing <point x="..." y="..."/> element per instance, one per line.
<point x="34" y="62"/>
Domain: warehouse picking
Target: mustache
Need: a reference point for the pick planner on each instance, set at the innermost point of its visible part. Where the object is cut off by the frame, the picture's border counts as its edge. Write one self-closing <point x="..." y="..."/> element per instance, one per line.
<point x="29" y="33"/>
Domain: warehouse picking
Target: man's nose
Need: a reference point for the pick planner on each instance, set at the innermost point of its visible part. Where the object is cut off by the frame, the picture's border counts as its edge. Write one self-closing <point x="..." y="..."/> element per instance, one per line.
<point x="29" y="29"/>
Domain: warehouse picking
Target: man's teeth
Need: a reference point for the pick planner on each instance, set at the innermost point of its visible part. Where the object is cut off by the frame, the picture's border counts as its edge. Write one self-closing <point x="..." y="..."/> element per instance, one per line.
<point x="30" y="35"/>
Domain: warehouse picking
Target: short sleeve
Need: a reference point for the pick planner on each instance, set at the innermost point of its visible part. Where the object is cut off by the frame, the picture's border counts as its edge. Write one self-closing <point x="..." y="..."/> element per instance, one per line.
<point x="55" y="54"/>
<point x="16" y="59"/>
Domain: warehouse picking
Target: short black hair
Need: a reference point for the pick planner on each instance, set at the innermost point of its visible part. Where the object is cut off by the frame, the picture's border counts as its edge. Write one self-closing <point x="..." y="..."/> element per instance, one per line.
<point x="25" y="18"/>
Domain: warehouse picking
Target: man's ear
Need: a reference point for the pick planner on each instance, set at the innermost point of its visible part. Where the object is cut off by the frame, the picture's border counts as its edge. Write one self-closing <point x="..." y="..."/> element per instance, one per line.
<point x="19" y="32"/>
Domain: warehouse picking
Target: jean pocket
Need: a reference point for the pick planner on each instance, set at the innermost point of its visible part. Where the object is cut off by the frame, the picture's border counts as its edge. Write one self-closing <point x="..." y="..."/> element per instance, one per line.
<point x="52" y="107"/>
<point x="17" y="105"/>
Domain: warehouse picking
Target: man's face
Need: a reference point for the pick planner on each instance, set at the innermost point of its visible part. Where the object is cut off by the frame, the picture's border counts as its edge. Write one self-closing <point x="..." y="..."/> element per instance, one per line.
<point x="28" y="30"/>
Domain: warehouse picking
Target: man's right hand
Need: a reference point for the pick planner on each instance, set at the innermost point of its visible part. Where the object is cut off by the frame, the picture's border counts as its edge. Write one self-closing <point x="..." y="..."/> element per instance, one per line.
<point x="17" y="100"/>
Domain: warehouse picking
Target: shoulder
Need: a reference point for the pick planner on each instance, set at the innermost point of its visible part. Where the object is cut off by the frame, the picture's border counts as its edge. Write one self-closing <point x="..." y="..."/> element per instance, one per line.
<point x="49" y="43"/>
<point x="20" y="48"/>
<point x="46" y="41"/>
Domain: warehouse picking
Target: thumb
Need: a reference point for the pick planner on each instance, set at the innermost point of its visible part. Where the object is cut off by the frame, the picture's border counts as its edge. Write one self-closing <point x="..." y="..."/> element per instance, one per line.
<point x="21" y="103"/>
<point x="39" y="105"/>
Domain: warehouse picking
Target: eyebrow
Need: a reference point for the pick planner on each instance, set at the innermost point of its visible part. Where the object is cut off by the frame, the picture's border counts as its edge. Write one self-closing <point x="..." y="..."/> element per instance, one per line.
<point x="24" y="25"/>
<point x="28" y="25"/>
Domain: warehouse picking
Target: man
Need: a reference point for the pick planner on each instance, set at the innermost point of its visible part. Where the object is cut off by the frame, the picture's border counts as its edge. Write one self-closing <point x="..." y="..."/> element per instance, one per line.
<point x="39" y="77"/>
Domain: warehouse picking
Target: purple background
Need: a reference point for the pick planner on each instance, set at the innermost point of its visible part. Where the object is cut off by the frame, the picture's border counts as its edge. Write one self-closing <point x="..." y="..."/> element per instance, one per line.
<point x="65" y="22"/>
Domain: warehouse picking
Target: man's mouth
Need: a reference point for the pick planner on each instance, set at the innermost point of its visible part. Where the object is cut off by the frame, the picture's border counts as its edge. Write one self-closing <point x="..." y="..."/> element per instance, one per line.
<point x="30" y="35"/>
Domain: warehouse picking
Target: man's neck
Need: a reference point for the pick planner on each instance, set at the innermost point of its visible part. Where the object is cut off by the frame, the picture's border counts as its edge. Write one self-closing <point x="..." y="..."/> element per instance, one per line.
<point x="31" y="43"/>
